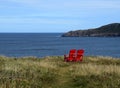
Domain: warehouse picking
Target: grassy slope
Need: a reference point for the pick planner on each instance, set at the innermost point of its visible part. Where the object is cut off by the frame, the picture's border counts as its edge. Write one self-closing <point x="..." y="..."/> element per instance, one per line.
<point x="53" y="72"/>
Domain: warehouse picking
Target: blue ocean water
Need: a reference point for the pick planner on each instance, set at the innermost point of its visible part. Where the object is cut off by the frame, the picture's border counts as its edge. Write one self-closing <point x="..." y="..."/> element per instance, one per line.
<point x="52" y="44"/>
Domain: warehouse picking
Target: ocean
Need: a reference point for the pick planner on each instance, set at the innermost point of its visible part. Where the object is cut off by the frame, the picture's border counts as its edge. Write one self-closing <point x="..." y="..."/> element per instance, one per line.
<point x="52" y="44"/>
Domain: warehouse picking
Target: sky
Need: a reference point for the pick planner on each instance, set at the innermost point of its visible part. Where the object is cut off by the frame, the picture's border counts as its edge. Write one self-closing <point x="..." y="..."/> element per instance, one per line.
<point x="56" y="15"/>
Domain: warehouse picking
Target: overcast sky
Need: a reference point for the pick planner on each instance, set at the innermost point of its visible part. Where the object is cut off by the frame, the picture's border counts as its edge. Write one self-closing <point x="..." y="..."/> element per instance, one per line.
<point x="56" y="15"/>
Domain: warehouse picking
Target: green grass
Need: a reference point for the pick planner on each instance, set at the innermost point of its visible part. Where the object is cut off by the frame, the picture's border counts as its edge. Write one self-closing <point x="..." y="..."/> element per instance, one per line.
<point x="53" y="72"/>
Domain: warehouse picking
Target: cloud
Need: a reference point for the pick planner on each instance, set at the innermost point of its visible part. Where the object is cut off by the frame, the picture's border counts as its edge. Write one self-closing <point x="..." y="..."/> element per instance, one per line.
<point x="58" y="7"/>
<point x="94" y="4"/>
<point x="58" y="13"/>
<point x="68" y="4"/>
<point x="22" y="1"/>
<point x="30" y="20"/>
<point x="55" y="12"/>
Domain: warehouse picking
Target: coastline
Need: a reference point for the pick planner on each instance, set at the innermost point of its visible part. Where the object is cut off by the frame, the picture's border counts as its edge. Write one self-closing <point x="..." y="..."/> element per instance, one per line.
<point x="52" y="71"/>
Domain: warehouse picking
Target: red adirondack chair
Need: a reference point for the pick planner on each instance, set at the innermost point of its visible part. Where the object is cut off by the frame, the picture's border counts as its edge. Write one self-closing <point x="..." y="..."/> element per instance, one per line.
<point x="79" y="56"/>
<point x="71" y="56"/>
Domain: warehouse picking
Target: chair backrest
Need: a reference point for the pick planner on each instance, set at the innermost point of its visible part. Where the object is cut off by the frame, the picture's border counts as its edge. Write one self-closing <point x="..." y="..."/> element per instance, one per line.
<point x="72" y="55"/>
<point x="79" y="56"/>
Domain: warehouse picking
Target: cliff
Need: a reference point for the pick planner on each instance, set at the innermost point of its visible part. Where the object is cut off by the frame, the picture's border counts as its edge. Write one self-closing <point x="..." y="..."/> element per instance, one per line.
<point x="110" y="30"/>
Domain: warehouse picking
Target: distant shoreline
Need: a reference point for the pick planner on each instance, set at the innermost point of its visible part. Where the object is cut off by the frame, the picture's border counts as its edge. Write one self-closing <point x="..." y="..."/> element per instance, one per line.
<point x="110" y="30"/>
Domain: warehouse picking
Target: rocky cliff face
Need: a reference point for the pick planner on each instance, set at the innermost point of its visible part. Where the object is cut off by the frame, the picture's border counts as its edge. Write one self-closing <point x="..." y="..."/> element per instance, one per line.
<point x="109" y="30"/>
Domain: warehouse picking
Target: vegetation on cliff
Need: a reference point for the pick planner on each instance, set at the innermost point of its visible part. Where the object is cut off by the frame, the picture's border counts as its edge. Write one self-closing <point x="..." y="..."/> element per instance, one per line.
<point x="103" y="31"/>
<point x="53" y="72"/>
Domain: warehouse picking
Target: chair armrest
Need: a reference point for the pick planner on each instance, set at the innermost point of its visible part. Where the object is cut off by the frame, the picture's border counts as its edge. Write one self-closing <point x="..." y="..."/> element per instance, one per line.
<point x="65" y="57"/>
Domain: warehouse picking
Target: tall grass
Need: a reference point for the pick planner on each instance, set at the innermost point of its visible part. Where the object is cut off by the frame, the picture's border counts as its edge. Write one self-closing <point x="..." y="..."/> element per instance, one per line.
<point x="53" y="72"/>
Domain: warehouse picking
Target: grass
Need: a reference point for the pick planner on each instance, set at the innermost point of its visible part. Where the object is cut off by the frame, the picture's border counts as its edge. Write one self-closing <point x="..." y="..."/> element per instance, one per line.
<point x="53" y="72"/>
